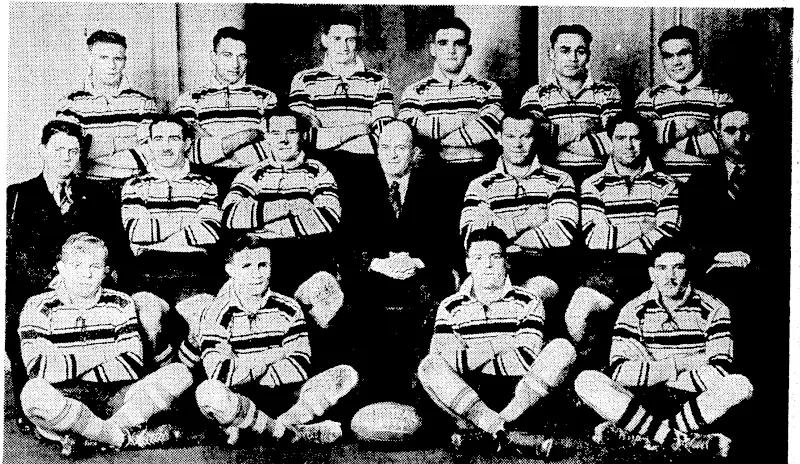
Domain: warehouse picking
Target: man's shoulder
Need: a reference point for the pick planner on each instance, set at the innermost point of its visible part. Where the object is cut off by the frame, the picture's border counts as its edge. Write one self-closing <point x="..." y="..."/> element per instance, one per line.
<point x="454" y="301"/>
<point x="485" y="181"/>
<point x="133" y="93"/>
<point x="26" y="185"/>
<point x="420" y="85"/>
<point x="486" y="85"/>
<point x="310" y="75"/>
<point x="44" y="302"/>
<point x="110" y="298"/>
<point x="652" y="91"/>
<point x="604" y="86"/>
<point x="522" y="295"/>
<point x="556" y="175"/>
<point x="372" y="75"/>
<point x="285" y="304"/>
<point x="635" y="308"/>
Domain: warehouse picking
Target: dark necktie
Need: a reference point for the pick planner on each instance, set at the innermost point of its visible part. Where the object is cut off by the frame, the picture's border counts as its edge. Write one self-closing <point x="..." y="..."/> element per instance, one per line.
<point x="63" y="196"/>
<point x="394" y="197"/>
<point x="735" y="182"/>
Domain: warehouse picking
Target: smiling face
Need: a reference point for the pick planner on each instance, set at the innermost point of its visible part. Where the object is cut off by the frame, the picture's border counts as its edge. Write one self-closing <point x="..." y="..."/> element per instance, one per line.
<point x="167" y="145"/>
<point x="627" y="142"/>
<point x="341" y="42"/>
<point x="450" y="49"/>
<point x="395" y="149"/>
<point x="517" y="140"/>
<point x="250" y="270"/>
<point x="106" y="62"/>
<point x="570" y="55"/>
<point x="83" y="269"/>
<point x="283" y="136"/>
<point x="669" y="275"/>
<point x="487" y="264"/>
<point x="679" y="60"/>
<point x="62" y="155"/>
<point x="230" y="60"/>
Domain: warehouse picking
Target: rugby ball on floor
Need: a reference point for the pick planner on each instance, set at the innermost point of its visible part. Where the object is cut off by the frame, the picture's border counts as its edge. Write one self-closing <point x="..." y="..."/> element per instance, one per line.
<point x="385" y="422"/>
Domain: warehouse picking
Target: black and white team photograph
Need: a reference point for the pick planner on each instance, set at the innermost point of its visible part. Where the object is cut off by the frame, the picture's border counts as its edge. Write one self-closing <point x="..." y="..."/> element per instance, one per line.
<point x="365" y="233"/>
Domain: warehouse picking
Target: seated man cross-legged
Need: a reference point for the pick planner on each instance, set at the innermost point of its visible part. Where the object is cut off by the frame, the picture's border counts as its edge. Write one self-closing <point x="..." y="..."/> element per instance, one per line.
<point x="672" y="345"/>
<point x="256" y="353"/>
<point x="488" y="337"/>
<point x="83" y="353"/>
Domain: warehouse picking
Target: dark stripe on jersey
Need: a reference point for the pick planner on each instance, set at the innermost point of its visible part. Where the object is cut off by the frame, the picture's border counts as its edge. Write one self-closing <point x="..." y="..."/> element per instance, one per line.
<point x="467" y="103"/>
<point x="166" y="205"/>
<point x="487" y="327"/>
<point x="265" y="341"/>
<point x="571" y="109"/>
<point x="229" y="114"/>
<point x="343" y="102"/>
<point x="517" y="202"/>
<point x="675" y="340"/>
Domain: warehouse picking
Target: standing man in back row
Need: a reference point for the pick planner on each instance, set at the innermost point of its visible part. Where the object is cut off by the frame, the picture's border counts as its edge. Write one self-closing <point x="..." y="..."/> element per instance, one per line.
<point x="345" y="103"/>
<point x="459" y="114"/>
<point x="228" y="115"/>
<point x="683" y="108"/>
<point x="114" y="116"/>
<point x="576" y="106"/>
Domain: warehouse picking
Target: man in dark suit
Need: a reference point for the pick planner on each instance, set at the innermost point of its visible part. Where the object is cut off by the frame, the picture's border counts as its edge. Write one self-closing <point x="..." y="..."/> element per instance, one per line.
<point x="403" y="268"/>
<point x="41" y="214"/>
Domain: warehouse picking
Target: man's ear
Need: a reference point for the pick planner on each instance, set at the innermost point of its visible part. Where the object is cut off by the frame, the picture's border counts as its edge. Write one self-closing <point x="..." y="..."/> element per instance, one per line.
<point x="324" y="40"/>
<point x="551" y="54"/>
<point x="652" y="272"/>
<point x="431" y="49"/>
<point x="229" y="269"/>
<point x="60" y="267"/>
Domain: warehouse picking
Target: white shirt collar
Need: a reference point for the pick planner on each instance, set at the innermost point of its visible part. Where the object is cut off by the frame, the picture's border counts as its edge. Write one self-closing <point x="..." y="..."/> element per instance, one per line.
<point x="358" y="66"/>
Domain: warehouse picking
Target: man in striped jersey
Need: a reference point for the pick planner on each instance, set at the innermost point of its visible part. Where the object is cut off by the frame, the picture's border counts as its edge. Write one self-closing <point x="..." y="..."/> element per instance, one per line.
<point x="346" y="102"/>
<point x="83" y="353"/>
<point x="488" y="338"/>
<point x="111" y="112"/>
<point x="227" y="114"/>
<point x="625" y="209"/>
<point x="685" y="107"/>
<point x="456" y="112"/>
<point x="535" y="205"/>
<point x="171" y="216"/>
<point x="576" y="106"/>
<point x="256" y="353"/>
<point x="672" y="346"/>
<point x="287" y="199"/>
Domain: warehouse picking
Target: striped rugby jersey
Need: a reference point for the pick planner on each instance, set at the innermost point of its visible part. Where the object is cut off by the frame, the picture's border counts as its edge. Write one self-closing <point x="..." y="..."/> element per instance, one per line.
<point x="270" y="345"/>
<point x="61" y="342"/>
<point x="615" y="211"/>
<point x="115" y="124"/>
<point x="646" y="334"/>
<point x="462" y="322"/>
<point x="577" y="123"/>
<point x="460" y="114"/>
<point x="544" y="188"/>
<point x="219" y="110"/>
<point x="170" y="214"/>
<point x="308" y="186"/>
<point x="684" y="117"/>
<point x="331" y="100"/>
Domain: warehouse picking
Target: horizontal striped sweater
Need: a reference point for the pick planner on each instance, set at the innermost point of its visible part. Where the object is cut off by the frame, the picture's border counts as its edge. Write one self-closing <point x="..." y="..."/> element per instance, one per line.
<point x="61" y="342"/>
<point x="464" y="326"/>
<point x="577" y="122"/>
<point x="115" y="124"/>
<point x="629" y="216"/>
<point x="308" y="187"/>
<point x="331" y="101"/>
<point x="216" y="111"/>
<point x="270" y="345"/>
<point x="179" y="215"/>
<point x="684" y="117"/>
<point x="647" y="338"/>
<point x="459" y="114"/>
<point x="547" y="189"/>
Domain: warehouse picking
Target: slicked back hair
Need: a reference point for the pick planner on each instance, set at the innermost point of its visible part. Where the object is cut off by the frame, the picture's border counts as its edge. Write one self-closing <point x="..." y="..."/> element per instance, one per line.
<point x="452" y="23"/>
<point x="229" y="32"/>
<point x="346" y="18"/>
<point x="681" y="32"/>
<point x="578" y="29"/>
<point x="106" y="37"/>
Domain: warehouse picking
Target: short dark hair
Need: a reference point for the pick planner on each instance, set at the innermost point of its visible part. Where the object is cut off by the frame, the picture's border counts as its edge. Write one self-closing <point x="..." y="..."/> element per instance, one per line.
<point x="671" y="245"/>
<point x="65" y="127"/>
<point x="245" y="242"/>
<point x="578" y="29"/>
<point x="229" y="32"/>
<point x="346" y="18"/>
<point x="453" y="22"/>
<point x="681" y="32"/>
<point x="186" y="130"/>
<point x="489" y="234"/>
<point x="630" y="117"/>
<point x="539" y="130"/>
<point x="303" y="124"/>
<point x="106" y="37"/>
